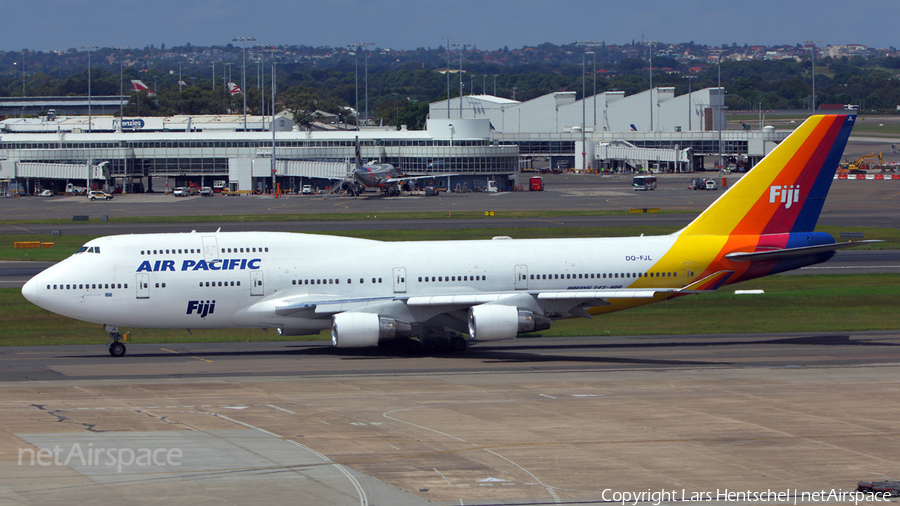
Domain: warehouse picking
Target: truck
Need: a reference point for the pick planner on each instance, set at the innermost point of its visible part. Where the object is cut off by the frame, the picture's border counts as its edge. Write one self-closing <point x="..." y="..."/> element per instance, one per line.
<point x="536" y="184"/>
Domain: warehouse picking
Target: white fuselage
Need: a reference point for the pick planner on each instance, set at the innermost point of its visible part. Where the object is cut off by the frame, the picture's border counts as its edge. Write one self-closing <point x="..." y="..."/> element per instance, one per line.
<point x="208" y="280"/>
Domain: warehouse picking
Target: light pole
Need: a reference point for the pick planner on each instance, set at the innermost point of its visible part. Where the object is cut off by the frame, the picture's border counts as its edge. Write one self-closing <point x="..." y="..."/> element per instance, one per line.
<point x="89" y="49"/>
<point x="356" y="67"/>
<point x="722" y="97"/>
<point x="262" y="82"/>
<point x="484" y="84"/>
<point x="583" y="118"/>
<point x="650" y="44"/>
<point x="592" y="44"/>
<point x="243" y="41"/>
<point x="448" y="75"/>
<point x="121" y="87"/>
<point x="514" y="92"/>
<point x="179" y="77"/>
<point x="690" y="103"/>
<point x="23" y="74"/>
<point x="495" y="85"/>
<point x="813" y="54"/>
<point x="594" y="98"/>
<point x="461" y="46"/>
<point x="213" y="75"/>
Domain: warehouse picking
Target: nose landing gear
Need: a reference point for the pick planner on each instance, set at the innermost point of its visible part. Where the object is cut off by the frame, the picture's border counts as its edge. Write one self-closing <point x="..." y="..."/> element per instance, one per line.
<point x="116" y="341"/>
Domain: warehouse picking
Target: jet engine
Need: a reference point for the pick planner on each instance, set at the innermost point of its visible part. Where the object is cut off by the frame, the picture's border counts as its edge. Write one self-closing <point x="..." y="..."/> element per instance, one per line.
<point x="357" y="330"/>
<point x="494" y="322"/>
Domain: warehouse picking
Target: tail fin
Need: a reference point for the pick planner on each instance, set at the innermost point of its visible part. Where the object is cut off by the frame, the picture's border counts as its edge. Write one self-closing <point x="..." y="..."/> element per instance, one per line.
<point x="785" y="191"/>
<point x="359" y="163"/>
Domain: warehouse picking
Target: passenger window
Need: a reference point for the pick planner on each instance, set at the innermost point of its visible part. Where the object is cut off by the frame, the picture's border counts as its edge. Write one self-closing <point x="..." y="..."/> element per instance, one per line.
<point x="201" y="284"/>
<point x="207" y="283"/>
<point x="238" y="283"/>
<point x="126" y="285"/>
<point x="379" y="280"/>
<point x="420" y="279"/>
<point x="361" y="281"/>
<point x="349" y="281"/>
<point x="440" y="278"/>
<point x="157" y="285"/>
<point x="267" y="250"/>
<point x="293" y="281"/>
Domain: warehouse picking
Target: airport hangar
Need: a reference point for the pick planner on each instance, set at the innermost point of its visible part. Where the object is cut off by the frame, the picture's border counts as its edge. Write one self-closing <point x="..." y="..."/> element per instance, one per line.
<point x="484" y="138"/>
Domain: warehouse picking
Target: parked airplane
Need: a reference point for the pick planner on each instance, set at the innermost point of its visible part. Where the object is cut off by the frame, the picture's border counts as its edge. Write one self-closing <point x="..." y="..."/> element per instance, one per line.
<point x="381" y="175"/>
<point x="374" y="293"/>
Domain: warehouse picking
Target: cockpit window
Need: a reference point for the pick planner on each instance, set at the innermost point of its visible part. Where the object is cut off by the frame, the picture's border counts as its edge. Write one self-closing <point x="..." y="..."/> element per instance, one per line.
<point x="81" y="249"/>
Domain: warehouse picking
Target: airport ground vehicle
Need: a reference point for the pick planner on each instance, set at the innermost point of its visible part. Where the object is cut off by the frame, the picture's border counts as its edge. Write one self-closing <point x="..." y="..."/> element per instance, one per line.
<point x="536" y="184"/>
<point x="431" y="191"/>
<point x="206" y="191"/>
<point x="644" y="183"/>
<point x="99" y="195"/>
<point x="75" y="190"/>
<point x="703" y="183"/>
<point x="858" y="167"/>
<point x="306" y="190"/>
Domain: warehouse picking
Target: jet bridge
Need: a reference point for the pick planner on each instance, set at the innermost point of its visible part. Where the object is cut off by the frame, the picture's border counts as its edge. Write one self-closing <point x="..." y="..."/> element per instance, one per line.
<point x="628" y="154"/>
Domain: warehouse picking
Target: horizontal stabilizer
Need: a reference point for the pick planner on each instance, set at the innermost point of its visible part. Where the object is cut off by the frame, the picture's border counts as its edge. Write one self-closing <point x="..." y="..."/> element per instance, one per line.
<point x="781" y="254"/>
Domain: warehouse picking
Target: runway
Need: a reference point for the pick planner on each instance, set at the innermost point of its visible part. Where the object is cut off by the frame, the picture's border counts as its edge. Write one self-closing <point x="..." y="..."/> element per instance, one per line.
<point x="537" y="421"/>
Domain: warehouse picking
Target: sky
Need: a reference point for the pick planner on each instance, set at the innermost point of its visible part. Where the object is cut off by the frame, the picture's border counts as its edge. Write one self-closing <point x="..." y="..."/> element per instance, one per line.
<point x="409" y="24"/>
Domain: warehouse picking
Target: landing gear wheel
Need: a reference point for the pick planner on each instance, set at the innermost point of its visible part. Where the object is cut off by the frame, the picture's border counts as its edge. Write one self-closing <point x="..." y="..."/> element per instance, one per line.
<point x="458" y="344"/>
<point x="117" y="349"/>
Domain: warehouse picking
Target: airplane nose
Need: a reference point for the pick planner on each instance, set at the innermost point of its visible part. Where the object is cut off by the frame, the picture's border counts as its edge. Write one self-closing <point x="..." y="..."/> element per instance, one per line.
<point x="30" y="290"/>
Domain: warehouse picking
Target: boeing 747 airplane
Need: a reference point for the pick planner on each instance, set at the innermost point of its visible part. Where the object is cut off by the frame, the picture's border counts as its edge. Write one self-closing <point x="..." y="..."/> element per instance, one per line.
<point x="374" y="293"/>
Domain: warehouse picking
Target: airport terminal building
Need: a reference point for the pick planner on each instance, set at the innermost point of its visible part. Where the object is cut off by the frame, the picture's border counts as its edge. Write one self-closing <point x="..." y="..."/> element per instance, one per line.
<point x="474" y="139"/>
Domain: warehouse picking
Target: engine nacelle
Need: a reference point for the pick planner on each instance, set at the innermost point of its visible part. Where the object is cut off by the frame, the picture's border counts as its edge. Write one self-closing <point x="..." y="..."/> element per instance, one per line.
<point x="494" y="322"/>
<point x="357" y="330"/>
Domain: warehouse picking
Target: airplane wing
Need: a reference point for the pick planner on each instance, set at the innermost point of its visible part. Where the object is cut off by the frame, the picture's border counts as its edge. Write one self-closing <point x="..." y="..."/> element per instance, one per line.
<point x="412" y="178"/>
<point x="285" y="304"/>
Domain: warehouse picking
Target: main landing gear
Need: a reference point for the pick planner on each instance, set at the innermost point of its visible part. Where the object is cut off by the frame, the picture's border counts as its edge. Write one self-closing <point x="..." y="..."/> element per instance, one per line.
<point x="116" y="341"/>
